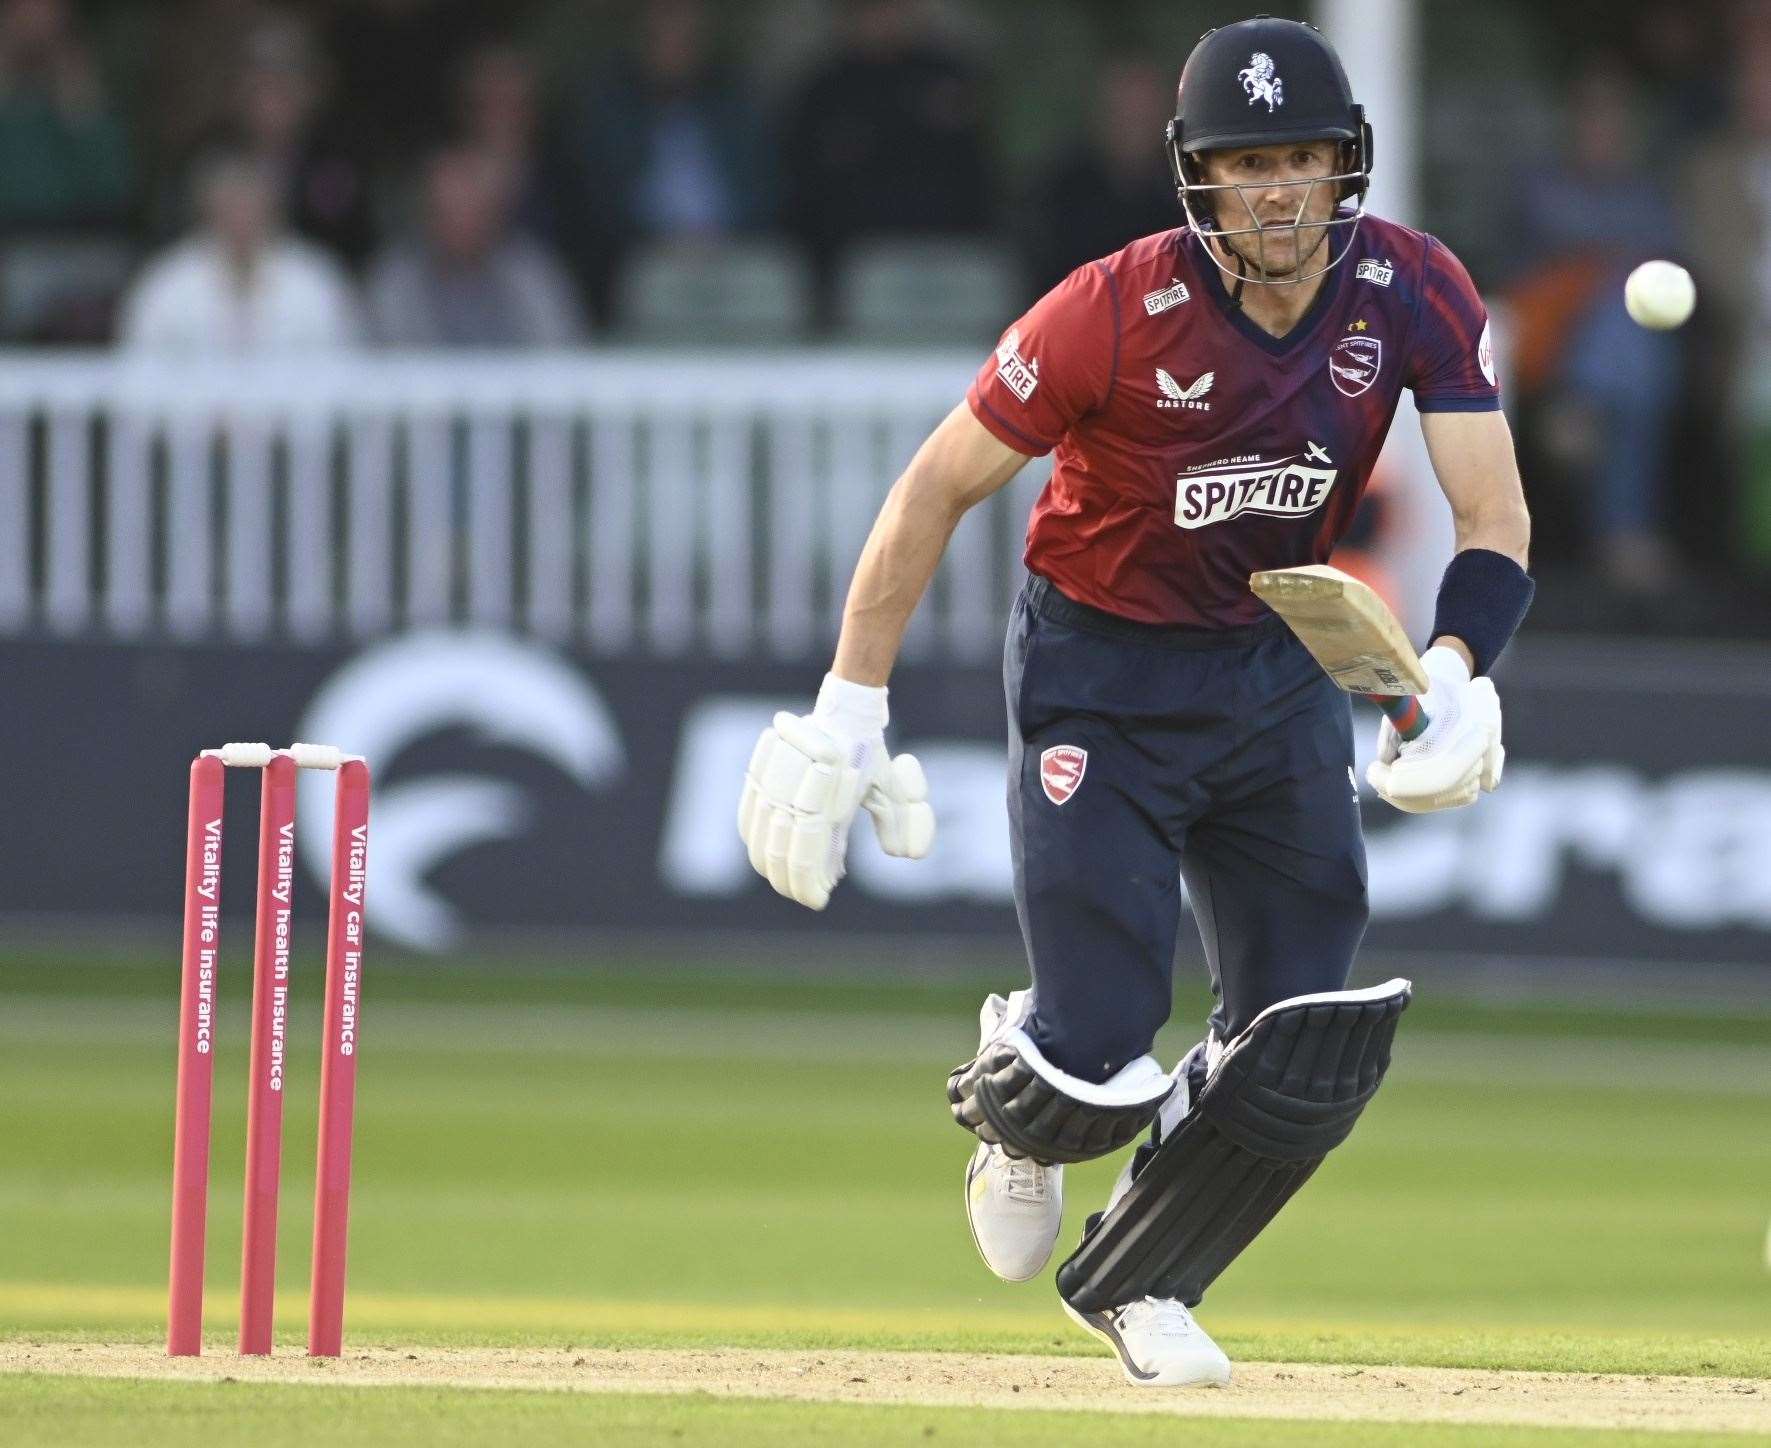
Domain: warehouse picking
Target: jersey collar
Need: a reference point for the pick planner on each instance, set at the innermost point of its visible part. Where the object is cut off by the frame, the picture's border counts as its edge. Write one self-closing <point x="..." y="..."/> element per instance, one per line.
<point x="1214" y="283"/>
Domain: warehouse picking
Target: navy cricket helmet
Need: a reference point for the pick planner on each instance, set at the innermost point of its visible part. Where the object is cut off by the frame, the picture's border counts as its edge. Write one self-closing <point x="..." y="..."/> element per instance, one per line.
<point x="1262" y="82"/>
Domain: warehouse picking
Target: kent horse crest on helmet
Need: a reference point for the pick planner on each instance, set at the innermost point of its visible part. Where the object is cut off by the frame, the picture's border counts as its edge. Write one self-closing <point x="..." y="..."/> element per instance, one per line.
<point x="1261" y="83"/>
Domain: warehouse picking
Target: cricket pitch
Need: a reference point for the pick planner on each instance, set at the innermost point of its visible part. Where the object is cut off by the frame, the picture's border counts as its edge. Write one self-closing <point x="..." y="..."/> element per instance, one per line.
<point x="1295" y="1391"/>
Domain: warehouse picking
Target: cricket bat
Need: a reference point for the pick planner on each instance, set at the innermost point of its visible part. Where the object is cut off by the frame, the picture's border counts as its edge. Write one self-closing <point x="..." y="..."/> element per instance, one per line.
<point x="1351" y="632"/>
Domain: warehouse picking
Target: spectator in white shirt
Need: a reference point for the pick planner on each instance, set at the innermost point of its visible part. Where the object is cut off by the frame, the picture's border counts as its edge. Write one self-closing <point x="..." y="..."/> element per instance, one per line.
<point x="240" y="285"/>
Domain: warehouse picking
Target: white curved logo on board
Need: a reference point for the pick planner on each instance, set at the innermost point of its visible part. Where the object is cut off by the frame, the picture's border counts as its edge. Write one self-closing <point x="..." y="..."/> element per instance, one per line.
<point x="509" y="692"/>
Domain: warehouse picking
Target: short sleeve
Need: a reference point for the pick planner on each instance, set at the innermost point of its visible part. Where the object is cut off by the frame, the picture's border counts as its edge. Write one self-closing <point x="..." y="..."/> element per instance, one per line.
<point x="1054" y="366"/>
<point x="1452" y="366"/>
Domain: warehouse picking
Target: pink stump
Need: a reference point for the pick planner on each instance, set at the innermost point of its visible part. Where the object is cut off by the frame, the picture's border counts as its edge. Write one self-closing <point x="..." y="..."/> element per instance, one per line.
<point x="196" y="1060"/>
<point x="338" y="1063"/>
<point x="270" y="1022"/>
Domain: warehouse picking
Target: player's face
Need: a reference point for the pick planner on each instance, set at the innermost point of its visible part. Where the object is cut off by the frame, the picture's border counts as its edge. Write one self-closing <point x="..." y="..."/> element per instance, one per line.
<point x="1273" y="192"/>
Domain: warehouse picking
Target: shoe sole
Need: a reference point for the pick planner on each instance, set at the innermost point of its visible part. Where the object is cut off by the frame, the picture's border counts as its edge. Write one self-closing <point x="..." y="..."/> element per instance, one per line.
<point x="1098" y="1324"/>
<point x="966" y="1196"/>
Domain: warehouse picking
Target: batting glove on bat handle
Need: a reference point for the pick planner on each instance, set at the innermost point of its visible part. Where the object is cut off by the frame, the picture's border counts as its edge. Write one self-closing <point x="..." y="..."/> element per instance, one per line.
<point x="1456" y="756"/>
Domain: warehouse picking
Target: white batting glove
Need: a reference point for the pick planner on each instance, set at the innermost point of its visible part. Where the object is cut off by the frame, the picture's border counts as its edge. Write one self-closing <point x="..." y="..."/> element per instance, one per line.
<point x="808" y="776"/>
<point x="1460" y="751"/>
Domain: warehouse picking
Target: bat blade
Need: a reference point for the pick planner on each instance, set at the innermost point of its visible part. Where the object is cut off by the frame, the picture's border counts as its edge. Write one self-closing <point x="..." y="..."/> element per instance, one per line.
<point x="1347" y="628"/>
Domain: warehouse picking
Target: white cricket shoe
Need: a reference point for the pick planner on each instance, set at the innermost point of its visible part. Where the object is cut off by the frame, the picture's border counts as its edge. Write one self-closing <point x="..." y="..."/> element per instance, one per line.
<point x="1158" y="1344"/>
<point x="1016" y="1207"/>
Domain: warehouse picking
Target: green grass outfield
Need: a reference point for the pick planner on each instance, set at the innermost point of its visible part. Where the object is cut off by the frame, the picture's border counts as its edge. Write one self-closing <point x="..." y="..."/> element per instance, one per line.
<point x="683" y="1159"/>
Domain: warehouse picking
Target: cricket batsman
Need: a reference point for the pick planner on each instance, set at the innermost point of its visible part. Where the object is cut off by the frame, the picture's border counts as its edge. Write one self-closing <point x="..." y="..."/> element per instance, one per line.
<point x="1216" y="397"/>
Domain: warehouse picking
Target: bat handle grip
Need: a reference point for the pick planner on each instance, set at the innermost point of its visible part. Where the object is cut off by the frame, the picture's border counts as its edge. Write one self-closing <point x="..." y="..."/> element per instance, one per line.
<point x="1404" y="712"/>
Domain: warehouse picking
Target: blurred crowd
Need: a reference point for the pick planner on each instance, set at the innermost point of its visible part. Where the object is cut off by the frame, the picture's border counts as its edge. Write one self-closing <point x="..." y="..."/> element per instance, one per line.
<point x="423" y="173"/>
<point x="1649" y="452"/>
<point x="241" y="176"/>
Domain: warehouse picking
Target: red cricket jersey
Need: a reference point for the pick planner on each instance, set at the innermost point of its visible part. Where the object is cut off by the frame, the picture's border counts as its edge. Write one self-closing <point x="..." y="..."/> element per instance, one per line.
<point x="1193" y="448"/>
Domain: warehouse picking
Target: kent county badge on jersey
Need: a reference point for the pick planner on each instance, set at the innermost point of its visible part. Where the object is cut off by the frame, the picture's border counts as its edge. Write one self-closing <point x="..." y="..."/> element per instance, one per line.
<point x="1354" y="362"/>
<point x="1060" y="771"/>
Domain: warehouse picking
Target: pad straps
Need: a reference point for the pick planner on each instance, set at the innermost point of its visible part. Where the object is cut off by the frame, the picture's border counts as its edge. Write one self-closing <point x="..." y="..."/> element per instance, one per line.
<point x="1285" y="1093"/>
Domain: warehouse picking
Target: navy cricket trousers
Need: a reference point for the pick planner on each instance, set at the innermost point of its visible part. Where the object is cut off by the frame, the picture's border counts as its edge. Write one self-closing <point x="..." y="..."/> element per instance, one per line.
<point x="1141" y="755"/>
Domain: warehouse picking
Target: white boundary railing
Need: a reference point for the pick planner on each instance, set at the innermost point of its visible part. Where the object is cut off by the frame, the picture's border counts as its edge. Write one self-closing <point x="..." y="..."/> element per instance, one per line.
<point x="628" y="502"/>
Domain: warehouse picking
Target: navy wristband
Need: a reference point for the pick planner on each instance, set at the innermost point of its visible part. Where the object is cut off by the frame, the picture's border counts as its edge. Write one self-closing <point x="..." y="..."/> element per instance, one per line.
<point x="1482" y="601"/>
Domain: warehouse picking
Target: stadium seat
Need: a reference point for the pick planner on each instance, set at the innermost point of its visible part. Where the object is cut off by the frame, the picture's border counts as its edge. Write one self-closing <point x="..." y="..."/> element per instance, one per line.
<point x="750" y="292"/>
<point x="962" y="293"/>
<point x="61" y="288"/>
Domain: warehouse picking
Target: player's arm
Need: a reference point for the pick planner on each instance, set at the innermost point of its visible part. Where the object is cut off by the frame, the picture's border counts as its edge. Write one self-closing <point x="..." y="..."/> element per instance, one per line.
<point x="959" y="466"/>
<point x="1472" y="456"/>
<point x="1482" y="599"/>
<point x="810" y="773"/>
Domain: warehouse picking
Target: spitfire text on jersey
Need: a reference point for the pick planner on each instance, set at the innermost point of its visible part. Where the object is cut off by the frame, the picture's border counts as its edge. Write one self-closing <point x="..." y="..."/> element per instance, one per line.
<point x="1191" y="448"/>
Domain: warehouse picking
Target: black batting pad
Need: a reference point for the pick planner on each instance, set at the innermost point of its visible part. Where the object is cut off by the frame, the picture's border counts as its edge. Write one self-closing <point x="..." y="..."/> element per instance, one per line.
<point x="1009" y="1095"/>
<point x="1286" y="1092"/>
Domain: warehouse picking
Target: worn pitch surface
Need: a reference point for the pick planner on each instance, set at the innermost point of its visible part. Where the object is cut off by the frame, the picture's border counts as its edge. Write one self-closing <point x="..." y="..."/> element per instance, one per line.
<point x="1303" y="1391"/>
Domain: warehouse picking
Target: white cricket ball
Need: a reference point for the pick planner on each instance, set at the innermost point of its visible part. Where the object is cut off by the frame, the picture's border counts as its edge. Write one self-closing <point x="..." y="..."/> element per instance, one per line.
<point x="1660" y="295"/>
